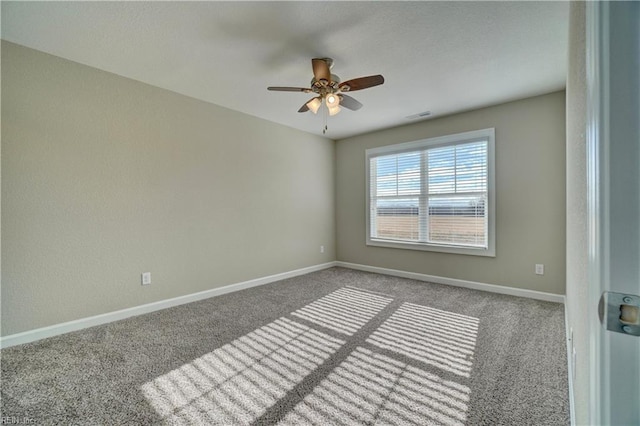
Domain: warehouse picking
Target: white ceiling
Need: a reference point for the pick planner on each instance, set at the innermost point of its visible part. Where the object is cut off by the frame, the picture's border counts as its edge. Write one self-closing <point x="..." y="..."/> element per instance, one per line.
<point x="442" y="57"/>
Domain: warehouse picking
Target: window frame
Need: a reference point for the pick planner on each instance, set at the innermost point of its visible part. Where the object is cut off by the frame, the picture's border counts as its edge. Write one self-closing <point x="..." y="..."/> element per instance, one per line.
<point x="429" y="143"/>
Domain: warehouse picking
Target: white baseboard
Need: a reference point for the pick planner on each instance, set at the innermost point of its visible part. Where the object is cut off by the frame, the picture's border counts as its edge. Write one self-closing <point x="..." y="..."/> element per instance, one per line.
<point x="570" y="367"/>
<point x="512" y="291"/>
<point x="79" y="324"/>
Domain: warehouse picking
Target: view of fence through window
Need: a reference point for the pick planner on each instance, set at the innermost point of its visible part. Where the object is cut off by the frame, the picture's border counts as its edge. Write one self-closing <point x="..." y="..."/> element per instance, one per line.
<point x="435" y="195"/>
<point x="468" y="230"/>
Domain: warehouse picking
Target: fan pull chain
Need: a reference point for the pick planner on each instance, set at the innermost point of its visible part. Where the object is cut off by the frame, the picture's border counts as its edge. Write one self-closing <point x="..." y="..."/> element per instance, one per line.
<point x="324" y="119"/>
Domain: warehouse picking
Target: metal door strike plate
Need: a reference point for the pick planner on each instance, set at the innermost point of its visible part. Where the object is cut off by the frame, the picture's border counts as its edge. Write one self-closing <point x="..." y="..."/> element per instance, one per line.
<point x="620" y="312"/>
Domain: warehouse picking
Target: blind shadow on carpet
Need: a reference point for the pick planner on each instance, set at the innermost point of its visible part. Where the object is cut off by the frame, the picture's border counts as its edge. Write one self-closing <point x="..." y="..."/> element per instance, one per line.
<point x="411" y="369"/>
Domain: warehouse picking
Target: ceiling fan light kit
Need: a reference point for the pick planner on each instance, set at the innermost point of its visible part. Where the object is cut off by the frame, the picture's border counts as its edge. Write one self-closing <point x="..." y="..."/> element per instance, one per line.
<point x="333" y="110"/>
<point x="330" y="89"/>
<point x="314" y="104"/>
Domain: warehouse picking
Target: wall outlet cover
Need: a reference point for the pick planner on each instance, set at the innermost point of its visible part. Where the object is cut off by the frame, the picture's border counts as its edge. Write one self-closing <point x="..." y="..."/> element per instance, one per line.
<point x="146" y="278"/>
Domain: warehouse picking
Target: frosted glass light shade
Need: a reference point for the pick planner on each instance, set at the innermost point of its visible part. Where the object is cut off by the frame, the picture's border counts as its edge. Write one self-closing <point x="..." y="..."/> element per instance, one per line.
<point x="314" y="104"/>
<point x="332" y="100"/>
<point x="333" y="110"/>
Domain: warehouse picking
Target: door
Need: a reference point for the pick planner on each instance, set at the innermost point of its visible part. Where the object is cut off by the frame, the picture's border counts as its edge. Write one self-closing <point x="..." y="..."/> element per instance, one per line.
<point x="613" y="141"/>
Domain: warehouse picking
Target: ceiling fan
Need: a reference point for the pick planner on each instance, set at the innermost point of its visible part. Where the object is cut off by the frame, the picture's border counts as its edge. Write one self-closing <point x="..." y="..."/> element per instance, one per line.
<point x="329" y="88"/>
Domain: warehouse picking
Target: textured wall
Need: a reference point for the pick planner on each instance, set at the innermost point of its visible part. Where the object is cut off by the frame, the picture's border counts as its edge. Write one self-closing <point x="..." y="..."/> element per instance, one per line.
<point x="530" y="199"/>
<point x="104" y="178"/>
<point x="577" y="255"/>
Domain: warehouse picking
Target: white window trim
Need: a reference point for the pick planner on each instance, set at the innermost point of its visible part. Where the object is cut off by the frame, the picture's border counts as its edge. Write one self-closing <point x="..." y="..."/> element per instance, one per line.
<point x="489" y="135"/>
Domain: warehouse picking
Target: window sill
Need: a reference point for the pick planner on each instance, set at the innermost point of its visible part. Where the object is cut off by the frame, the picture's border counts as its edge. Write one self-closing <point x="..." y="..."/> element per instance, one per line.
<point x="440" y="248"/>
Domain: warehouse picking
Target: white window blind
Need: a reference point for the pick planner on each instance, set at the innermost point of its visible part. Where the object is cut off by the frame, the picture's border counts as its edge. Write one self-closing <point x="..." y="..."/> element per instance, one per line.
<point x="432" y="193"/>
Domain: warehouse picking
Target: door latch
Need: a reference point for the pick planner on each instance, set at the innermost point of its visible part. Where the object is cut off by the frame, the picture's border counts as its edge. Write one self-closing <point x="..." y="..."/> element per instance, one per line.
<point x="620" y="312"/>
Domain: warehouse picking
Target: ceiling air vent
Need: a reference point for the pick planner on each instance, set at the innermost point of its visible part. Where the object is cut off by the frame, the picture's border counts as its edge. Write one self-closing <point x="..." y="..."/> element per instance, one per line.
<point x="419" y="115"/>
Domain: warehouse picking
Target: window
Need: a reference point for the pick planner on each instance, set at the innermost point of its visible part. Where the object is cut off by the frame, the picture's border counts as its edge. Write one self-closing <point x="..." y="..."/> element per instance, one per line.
<point x="435" y="194"/>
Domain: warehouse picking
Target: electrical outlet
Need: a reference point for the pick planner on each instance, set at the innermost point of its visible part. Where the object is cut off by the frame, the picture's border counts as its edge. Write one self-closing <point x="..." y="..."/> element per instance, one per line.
<point x="539" y="269"/>
<point x="321" y="249"/>
<point x="146" y="278"/>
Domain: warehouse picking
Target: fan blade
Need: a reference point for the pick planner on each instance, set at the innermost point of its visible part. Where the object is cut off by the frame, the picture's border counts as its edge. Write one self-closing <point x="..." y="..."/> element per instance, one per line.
<point x="349" y="103"/>
<point x="290" y="89"/>
<point x="321" y="70"/>
<point x="304" y="108"/>
<point x="361" y="83"/>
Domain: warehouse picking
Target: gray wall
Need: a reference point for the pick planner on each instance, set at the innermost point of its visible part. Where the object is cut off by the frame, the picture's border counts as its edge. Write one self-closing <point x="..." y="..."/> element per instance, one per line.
<point x="104" y="178"/>
<point x="577" y="256"/>
<point x="530" y="200"/>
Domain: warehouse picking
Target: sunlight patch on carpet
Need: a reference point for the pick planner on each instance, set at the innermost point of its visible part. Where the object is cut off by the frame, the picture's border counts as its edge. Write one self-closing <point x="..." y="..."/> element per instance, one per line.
<point x="238" y="382"/>
<point x="345" y="310"/>
<point x="439" y="338"/>
<point x="369" y="387"/>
